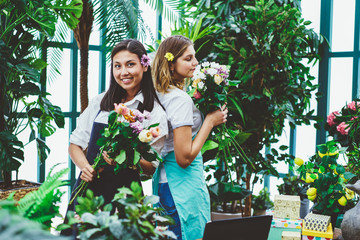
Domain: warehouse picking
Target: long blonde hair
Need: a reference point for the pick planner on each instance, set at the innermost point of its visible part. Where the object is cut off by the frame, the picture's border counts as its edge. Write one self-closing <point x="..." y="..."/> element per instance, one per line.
<point x="162" y="76"/>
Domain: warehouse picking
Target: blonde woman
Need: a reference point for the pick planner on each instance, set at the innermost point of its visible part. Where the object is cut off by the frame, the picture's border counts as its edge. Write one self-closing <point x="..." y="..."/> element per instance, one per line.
<point x="179" y="181"/>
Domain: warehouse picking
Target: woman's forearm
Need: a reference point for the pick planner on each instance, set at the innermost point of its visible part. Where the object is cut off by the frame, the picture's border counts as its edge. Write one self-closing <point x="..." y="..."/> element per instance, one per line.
<point x="77" y="156"/>
<point x="147" y="167"/>
<point x="187" y="149"/>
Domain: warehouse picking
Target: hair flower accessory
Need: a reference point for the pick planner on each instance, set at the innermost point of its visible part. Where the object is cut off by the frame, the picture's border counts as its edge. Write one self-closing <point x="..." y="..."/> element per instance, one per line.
<point x="169" y="56"/>
<point x="145" y="60"/>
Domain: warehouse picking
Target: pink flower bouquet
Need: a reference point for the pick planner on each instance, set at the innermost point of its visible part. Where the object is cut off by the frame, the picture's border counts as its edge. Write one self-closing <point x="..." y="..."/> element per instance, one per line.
<point x="125" y="140"/>
<point x="343" y="125"/>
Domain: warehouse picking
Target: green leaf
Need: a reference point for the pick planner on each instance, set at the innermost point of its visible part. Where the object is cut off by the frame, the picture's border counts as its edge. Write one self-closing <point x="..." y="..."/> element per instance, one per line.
<point x="209" y="145"/>
<point x="349" y="175"/>
<point x="112" y="117"/>
<point x="121" y="157"/>
<point x="136" y="157"/>
<point x="340" y="169"/>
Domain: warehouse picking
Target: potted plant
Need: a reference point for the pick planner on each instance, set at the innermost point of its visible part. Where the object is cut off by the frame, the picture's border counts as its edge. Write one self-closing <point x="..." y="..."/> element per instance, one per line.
<point x="326" y="179"/>
<point x="292" y="185"/>
<point x="226" y="200"/>
<point x="260" y="203"/>
<point x="25" y="26"/>
<point x="343" y="126"/>
<point x="134" y="217"/>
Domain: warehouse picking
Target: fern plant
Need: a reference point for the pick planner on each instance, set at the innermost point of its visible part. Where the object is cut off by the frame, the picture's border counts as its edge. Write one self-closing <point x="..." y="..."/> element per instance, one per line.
<point x="40" y="205"/>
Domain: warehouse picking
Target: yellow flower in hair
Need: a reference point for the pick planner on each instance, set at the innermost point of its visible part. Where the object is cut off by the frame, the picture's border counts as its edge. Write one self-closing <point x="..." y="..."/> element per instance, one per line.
<point x="169" y="56"/>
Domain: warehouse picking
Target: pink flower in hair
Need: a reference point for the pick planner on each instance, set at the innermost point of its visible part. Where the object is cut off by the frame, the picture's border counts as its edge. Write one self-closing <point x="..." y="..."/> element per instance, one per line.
<point x="145" y="60"/>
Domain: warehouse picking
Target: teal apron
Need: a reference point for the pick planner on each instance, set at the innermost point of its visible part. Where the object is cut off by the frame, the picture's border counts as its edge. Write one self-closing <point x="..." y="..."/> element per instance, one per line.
<point x="190" y="194"/>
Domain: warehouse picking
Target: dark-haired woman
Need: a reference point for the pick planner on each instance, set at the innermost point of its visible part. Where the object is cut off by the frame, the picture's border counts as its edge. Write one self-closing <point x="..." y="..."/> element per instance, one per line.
<point x="131" y="84"/>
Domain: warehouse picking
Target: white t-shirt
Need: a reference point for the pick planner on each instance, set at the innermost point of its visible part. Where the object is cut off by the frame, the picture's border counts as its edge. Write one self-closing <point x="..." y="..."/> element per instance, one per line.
<point x="81" y="135"/>
<point x="180" y="111"/>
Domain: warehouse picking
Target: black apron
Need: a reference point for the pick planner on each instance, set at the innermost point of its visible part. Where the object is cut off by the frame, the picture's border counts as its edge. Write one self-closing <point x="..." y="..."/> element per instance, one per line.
<point x="109" y="182"/>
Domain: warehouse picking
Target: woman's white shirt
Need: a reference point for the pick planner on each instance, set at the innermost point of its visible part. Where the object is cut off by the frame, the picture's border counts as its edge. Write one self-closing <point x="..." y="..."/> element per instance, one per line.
<point x="81" y="135"/>
<point x="180" y="111"/>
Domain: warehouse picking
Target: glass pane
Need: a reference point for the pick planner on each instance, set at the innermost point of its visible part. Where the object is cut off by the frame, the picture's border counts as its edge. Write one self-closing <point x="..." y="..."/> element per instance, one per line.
<point x="107" y="80"/>
<point x="62" y="210"/>
<point x="305" y="141"/>
<point x="343" y="25"/>
<point x="314" y="71"/>
<point x="274" y="182"/>
<point x="93" y="77"/>
<point x="150" y="19"/>
<point x="95" y="35"/>
<point x="166" y="27"/>
<point x="310" y="10"/>
<point x="62" y="33"/>
<point x="340" y="79"/>
<point x="58" y="144"/>
<point x="284" y="139"/>
<point x="59" y="88"/>
<point x="28" y="170"/>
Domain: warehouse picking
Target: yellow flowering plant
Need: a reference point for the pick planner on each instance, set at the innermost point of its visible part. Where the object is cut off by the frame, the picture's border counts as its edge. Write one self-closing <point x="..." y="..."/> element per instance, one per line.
<point x="125" y="140"/>
<point x="326" y="179"/>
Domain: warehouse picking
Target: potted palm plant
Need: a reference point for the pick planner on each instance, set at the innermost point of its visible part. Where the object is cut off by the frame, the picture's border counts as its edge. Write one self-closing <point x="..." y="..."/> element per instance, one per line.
<point x="25" y="26"/>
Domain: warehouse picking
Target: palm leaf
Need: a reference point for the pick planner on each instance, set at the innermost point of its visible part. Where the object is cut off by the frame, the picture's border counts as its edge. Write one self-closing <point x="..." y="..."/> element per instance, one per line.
<point x="168" y="8"/>
<point x="121" y="20"/>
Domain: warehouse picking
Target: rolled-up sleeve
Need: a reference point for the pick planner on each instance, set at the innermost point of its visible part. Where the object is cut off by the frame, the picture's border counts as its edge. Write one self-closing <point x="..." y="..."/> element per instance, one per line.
<point x="81" y="135"/>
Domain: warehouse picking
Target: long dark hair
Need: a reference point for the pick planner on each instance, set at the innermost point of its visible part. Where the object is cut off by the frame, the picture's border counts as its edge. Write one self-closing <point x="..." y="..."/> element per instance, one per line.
<point x="115" y="93"/>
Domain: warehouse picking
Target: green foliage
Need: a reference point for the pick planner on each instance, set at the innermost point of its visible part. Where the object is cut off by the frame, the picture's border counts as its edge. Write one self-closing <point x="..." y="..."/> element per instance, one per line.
<point x="328" y="178"/>
<point x="17" y="227"/>
<point x="25" y="25"/>
<point x="292" y="185"/>
<point x="225" y="192"/>
<point x="170" y="9"/>
<point x="134" y="217"/>
<point x="266" y="44"/>
<point x="41" y="205"/>
<point x="344" y="127"/>
<point x="262" y="201"/>
<point x="121" y="20"/>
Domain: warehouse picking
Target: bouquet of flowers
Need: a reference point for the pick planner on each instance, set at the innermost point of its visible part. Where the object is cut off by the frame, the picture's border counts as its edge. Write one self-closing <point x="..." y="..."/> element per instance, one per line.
<point x="344" y="126"/>
<point x="209" y="92"/>
<point x="125" y="140"/>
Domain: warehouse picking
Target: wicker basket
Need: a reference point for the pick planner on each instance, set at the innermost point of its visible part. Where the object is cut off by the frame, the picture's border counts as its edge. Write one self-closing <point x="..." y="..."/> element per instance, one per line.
<point x="20" y="187"/>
